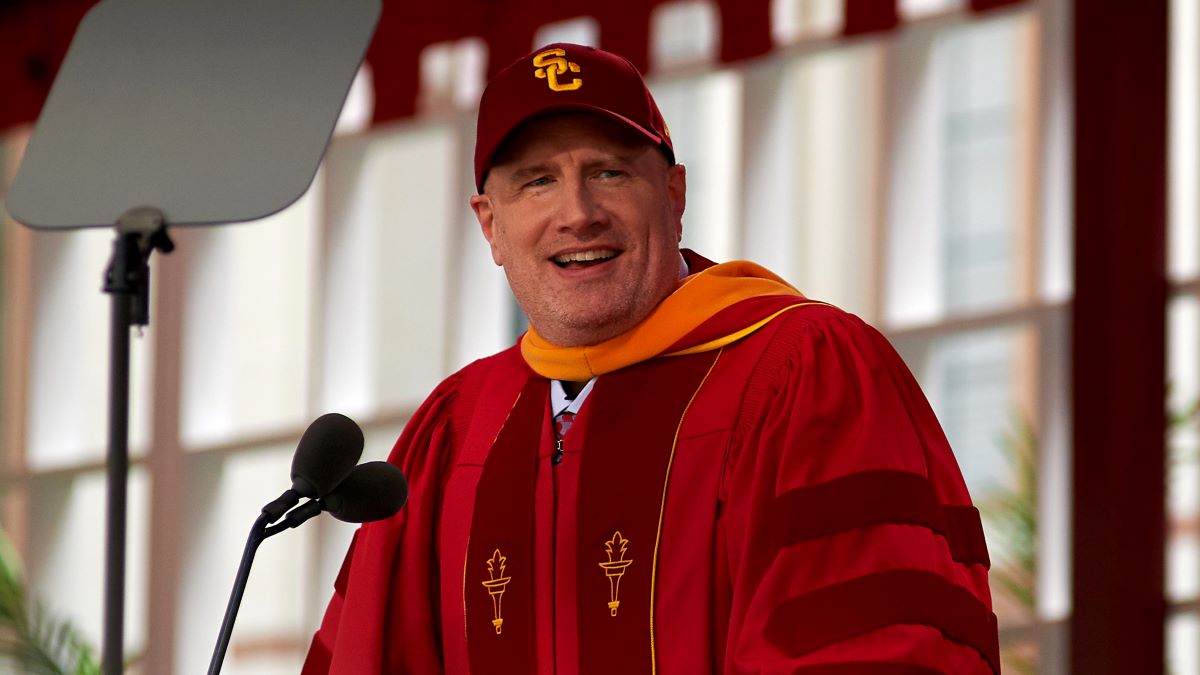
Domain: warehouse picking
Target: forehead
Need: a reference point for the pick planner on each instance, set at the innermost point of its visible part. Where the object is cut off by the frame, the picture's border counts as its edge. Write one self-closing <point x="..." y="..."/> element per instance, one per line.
<point x="568" y="132"/>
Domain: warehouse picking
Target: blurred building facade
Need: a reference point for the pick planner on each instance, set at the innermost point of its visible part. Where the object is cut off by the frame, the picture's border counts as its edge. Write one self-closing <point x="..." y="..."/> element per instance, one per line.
<point x="918" y="177"/>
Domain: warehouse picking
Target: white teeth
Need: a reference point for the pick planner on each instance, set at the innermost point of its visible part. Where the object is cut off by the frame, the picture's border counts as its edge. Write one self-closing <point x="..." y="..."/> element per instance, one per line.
<point x="583" y="256"/>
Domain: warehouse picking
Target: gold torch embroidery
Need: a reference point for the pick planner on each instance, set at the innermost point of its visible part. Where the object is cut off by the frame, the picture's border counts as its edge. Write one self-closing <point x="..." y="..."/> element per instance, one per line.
<point x="495" y="587"/>
<point x="614" y="569"/>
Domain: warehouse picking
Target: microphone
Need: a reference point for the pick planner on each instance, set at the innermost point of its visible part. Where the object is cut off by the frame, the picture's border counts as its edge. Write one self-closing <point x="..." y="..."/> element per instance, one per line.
<point x="325" y="458"/>
<point x="325" y="455"/>
<point x="373" y="491"/>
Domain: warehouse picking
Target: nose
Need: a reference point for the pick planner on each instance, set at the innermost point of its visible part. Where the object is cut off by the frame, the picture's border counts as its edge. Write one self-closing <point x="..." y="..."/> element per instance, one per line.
<point x="582" y="211"/>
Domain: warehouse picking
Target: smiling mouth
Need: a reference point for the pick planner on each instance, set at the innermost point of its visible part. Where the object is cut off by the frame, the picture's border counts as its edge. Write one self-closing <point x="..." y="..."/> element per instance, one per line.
<point x="581" y="259"/>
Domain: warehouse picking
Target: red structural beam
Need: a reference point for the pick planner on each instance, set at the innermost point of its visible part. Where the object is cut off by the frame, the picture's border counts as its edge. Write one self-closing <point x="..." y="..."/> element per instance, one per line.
<point x="1119" y="336"/>
<point x="34" y="35"/>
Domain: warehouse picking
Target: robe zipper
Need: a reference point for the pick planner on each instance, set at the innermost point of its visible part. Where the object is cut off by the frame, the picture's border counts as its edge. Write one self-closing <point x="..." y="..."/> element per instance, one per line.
<point x="557" y="457"/>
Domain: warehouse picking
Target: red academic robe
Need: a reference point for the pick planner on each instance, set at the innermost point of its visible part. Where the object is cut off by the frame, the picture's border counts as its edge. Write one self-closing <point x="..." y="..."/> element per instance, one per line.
<point x="785" y="504"/>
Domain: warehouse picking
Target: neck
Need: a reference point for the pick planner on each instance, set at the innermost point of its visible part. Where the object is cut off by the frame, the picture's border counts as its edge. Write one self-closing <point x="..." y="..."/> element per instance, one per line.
<point x="573" y="388"/>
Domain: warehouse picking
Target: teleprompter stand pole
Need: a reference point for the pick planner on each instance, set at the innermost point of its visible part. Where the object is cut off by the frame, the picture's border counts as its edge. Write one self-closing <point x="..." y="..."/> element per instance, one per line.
<point x="139" y="232"/>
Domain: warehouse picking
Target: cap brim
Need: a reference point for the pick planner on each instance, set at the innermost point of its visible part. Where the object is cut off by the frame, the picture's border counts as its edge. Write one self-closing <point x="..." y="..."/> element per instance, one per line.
<point x="574" y="106"/>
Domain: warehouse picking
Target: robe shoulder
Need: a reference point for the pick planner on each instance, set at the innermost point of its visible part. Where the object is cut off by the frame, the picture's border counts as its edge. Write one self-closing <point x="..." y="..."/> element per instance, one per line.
<point x="847" y="528"/>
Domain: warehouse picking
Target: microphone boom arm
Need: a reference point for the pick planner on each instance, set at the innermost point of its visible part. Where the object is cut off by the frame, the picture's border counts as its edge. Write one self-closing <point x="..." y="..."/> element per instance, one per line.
<point x="259" y="532"/>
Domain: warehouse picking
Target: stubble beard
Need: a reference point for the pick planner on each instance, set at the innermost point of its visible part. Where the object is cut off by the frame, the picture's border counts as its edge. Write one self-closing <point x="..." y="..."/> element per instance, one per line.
<point x="608" y="315"/>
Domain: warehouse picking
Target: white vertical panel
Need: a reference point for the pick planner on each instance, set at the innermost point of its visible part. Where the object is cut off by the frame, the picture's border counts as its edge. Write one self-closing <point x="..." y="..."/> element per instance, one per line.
<point x="386" y="273"/>
<point x="979" y="133"/>
<point x="794" y="20"/>
<point x="452" y="74"/>
<point x="68" y="379"/>
<point x="246" y="328"/>
<point x="1184" y="146"/>
<point x="360" y="104"/>
<point x="970" y="384"/>
<point x="483" y="305"/>
<point x="914" y="204"/>
<point x="581" y="30"/>
<point x="1057" y="251"/>
<point x="838" y="149"/>
<point x="1183" y="473"/>
<point x="1054" y="472"/>
<point x="684" y="32"/>
<point x="704" y="116"/>
<point x="913" y="9"/>
<point x="770" y="206"/>
<point x="224" y="497"/>
<point x="952" y="220"/>
<point x="67" y="552"/>
<point x="1183" y="634"/>
<point x="348" y="320"/>
<point x="414" y="220"/>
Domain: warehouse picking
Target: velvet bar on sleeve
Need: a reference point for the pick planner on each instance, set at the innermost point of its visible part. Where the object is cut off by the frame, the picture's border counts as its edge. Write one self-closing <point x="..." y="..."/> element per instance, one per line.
<point x="846" y="534"/>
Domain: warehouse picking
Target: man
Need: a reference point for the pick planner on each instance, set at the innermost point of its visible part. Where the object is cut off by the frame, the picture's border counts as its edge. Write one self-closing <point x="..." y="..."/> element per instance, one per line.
<point x="682" y="467"/>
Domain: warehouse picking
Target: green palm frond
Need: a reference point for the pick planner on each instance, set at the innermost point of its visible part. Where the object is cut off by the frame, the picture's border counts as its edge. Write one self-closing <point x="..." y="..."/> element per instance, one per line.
<point x="32" y="640"/>
<point x="1010" y="511"/>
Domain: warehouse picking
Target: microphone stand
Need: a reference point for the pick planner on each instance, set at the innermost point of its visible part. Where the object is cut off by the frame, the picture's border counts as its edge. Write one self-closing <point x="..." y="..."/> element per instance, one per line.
<point x="140" y="232"/>
<point x="259" y="532"/>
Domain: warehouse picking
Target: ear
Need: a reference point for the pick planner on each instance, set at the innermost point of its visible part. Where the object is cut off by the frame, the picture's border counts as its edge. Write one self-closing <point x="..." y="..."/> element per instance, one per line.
<point x="482" y="206"/>
<point x="677" y="193"/>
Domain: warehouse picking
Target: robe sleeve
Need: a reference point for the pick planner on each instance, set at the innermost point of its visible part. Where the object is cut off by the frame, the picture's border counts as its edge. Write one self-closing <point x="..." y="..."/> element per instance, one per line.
<point x="391" y="565"/>
<point x="847" y="533"/>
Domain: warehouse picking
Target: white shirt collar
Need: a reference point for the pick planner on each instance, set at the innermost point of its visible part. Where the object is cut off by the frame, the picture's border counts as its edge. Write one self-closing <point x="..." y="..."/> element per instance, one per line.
<point x="559" y="403"/>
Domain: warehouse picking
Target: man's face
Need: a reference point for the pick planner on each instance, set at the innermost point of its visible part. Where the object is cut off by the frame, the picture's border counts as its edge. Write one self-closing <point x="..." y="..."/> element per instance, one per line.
<point x="585" y="217"/>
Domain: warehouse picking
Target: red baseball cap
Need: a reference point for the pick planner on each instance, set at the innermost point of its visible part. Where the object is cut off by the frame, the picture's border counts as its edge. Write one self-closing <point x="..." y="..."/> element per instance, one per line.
<point x="564" y="77"/>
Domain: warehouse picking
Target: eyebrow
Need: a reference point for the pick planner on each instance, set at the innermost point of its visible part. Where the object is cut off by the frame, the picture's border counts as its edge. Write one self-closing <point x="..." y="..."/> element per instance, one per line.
<point x="528" y="172"/>
<point x="534" y="170"/>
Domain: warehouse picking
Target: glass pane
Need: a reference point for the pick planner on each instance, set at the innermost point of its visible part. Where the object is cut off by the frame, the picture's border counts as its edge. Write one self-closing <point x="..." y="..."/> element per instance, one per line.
<point x="811" y="181"/>
<point x="912" y="9"/>
<point x="683" y="32"/>
<point x="1051" y="42"/>
<point x="582" y="30"/>
<point x="247" y="324"/>
<point x="482" y="321"/>
<point x="960" y="230"/>
<point x="67" y="543"/>
<point x="68" y="377"/>
<point x="1183" y="644"/>
<point x="795" y="20"/>
<point x="360" y="104"/>
<point x="979" y="140"/>
<point x="1184" y="141"/>
<point x="981" y="385"/>
<point x="394" y="199"/>
<point x="225" y="494"/>
<point x="452" y="74"/>
<point x="701" y="112"/>
<point x="1183" y="472"/>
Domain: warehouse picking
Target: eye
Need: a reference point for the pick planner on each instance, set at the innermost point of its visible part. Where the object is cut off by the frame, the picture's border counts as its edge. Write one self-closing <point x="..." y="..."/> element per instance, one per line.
<point x="539" y="182"/>
<point x="610" y="173"/>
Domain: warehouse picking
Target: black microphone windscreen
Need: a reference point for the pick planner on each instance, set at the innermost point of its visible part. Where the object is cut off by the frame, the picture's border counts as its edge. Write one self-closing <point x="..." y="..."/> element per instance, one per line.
<point x="326" y="454"/>
<point x="372" y="491"/>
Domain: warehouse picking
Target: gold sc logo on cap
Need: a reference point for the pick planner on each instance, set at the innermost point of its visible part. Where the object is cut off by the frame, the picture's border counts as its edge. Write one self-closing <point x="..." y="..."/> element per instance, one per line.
<point x="550" y="64"/>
